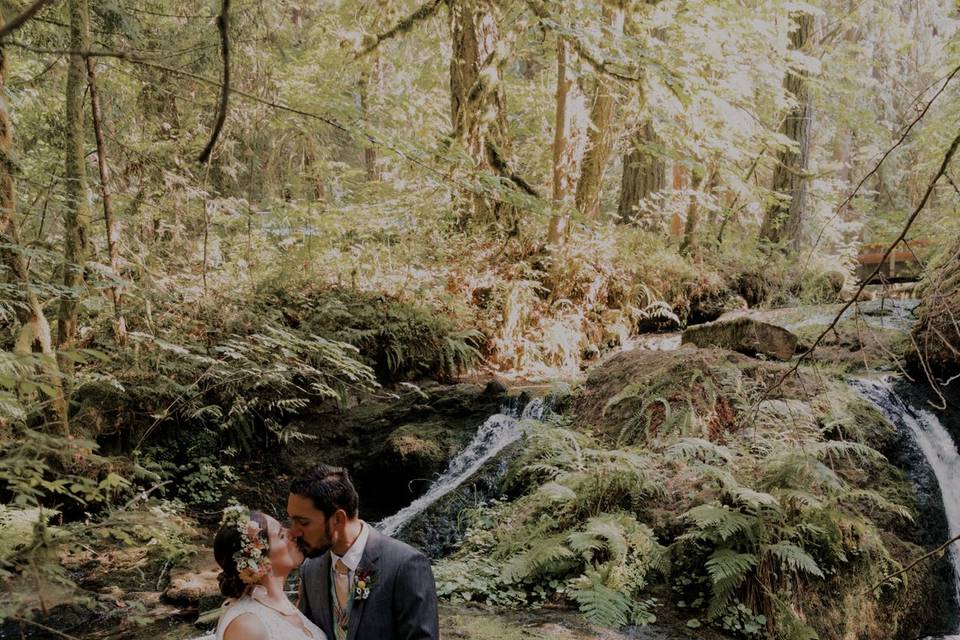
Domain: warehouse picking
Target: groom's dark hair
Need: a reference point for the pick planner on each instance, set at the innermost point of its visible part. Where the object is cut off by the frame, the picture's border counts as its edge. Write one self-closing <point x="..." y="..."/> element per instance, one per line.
<point x="330" y="488"/>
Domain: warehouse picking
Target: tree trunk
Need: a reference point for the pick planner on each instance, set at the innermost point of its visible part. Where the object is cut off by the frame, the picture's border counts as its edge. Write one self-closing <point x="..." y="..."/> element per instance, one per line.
<point x="110" y="221"/>
<point x="77" y="213"/>
<point x="371" y="80"/>
<point x="477" y="99"/>
<point x="644" y="172"/>
<point x="689" y="245"/>
<point x="600" y="136"/>
<point x="567" y="144"/>
<point x="34" y="333"/>
<point x="784" y="220"/>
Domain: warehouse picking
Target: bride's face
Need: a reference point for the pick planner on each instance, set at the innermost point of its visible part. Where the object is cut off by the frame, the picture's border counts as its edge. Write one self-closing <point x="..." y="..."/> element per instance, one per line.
<point x="284" y="552"/>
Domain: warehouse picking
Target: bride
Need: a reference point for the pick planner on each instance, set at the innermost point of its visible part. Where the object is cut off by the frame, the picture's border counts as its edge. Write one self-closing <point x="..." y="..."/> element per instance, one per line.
<point x="256" y="556"/>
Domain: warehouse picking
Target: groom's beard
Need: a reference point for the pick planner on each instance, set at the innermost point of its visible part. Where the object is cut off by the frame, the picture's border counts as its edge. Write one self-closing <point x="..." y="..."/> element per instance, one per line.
<point x="315" y="552"/>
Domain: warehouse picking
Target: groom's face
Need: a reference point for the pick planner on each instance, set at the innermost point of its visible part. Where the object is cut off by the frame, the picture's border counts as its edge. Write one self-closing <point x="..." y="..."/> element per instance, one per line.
<point x="308" y="525"/>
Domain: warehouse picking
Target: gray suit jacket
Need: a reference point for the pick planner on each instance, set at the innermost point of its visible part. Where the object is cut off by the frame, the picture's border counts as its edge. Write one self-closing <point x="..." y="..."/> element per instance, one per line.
<point x="402" y="604"/>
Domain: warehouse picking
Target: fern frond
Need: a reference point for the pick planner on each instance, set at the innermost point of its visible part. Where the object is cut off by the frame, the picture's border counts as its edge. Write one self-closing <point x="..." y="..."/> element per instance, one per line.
<point x="699" y="449"/>
<point x="794" y="558"/>
<point x="730" y="565"/>
<point x="720" y="521"/>
<point x="545" y="556"/>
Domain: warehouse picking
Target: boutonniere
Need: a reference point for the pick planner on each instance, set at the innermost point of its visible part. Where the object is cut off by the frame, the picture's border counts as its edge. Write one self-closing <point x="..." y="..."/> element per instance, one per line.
<point x="366" y="578"/>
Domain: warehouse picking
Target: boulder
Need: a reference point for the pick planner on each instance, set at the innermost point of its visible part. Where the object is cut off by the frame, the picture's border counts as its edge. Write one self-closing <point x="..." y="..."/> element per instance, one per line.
<point x="745" y="335"/>
<point x="194" y="583"/>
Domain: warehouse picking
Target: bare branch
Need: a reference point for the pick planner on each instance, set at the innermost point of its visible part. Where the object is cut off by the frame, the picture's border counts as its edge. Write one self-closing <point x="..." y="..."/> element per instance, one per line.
<point x="223" y="25"/>
<point x="19" y="21"/>
<point x="893" y="575"/>
<point x="886" y="254"/>
<point x="876" y="167"/>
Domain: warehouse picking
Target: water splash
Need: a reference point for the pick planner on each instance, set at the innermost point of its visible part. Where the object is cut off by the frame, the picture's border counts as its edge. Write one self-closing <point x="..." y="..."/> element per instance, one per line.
<point x="499" y="430"/>
<point x="938" y="448"/>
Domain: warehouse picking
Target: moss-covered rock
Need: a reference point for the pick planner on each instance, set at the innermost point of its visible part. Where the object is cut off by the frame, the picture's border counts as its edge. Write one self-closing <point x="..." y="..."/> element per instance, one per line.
<point x="744" y="335"/>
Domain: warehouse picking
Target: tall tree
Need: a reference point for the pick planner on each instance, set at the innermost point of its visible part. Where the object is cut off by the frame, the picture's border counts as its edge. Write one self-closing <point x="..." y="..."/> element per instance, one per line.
<point x="34" y="333"/>
<point x="644" y="171"/>
<point x="477" y="99"/>
<point x="109" y="218"/>
<point x="567" y="146"/>
<point x="784" y="219"/>
<point x="601" y="135"/>
<point x="77" y="212"/>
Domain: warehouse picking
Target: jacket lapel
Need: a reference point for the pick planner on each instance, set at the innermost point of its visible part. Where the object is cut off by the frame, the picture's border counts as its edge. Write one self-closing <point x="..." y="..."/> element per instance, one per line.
<point x="368" y="565"/>
<point x="324" y="605"/>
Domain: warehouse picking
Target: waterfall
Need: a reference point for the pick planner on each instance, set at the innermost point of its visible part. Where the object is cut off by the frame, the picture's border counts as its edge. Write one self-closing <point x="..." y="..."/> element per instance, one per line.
<point x="938" y="448"/>
<point x="497" y="432"/>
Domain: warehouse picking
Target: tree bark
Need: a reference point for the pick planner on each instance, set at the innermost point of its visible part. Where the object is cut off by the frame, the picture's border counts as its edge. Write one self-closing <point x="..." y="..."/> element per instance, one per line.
<point x="371" y="81"/>
<point x="567" y="144"/>
<point x="110" y="221"/>
<point x="600" y="137"/>
<point x="34" y="333"/>
<point x="477" y="99"/>
<point x="784" y="220"/>
<point x="689" y="246"/>
<point x="77" y="213"/>
<point x="644" y="172"/>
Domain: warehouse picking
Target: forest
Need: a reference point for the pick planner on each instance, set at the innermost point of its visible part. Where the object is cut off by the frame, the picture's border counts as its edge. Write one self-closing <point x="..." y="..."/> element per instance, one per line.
<point x="639" y="318"/>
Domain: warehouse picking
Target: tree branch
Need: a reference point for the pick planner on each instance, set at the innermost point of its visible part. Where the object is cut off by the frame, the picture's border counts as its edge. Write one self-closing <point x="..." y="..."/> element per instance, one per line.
<point x="223" y="25"/>
<point x="913" y="564"/>
<point x="876" y="167"/>
<point x="18" y="22"/>
<point x="404" y="25"/>
<point x="886" y="254"/>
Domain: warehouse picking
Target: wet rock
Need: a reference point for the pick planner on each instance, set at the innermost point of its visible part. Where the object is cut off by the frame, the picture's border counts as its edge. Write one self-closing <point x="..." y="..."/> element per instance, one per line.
<point x="744" y="335"/>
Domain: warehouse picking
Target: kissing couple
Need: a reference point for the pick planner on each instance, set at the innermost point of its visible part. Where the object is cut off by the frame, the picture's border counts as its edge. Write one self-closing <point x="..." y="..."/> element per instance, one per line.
<point x="356" y="583"/>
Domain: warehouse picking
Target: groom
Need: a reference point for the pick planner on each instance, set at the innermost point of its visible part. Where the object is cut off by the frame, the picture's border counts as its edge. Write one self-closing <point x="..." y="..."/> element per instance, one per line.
<point x="358" y="584"/>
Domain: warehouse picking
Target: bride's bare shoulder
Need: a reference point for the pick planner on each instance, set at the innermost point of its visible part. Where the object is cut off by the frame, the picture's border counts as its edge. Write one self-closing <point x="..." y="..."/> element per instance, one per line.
<point x="245" y="626"/>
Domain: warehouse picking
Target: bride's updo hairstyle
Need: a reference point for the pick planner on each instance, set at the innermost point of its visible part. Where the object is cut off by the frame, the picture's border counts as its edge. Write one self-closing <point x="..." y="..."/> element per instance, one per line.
<point x="241" y="547"/>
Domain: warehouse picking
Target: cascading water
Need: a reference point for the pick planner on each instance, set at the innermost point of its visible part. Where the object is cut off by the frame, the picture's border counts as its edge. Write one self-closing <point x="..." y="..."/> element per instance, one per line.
<point x="938" y="448"/>
<point x="497" y="432"/>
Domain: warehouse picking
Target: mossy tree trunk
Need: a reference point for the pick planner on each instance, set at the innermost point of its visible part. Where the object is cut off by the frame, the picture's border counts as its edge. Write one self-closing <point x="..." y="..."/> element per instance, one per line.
<point x="784" y="219"/>
<point x="477" y="99"/>
<point x="77" y="213"/>
<point x="600" y="137"/>
<point x="34" y="333"/>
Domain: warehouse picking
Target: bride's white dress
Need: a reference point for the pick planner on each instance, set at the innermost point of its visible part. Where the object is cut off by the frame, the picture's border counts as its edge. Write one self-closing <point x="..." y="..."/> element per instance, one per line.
<point x="278" y="626"/>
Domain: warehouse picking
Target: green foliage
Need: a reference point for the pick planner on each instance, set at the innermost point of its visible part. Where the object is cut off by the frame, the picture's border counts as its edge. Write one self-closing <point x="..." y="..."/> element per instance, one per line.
<point x="399" y="340"/>
<point x="576" y="536"/>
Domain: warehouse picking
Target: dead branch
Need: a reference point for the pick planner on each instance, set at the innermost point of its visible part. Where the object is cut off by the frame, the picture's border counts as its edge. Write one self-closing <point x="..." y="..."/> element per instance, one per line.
<point x="886" y="254"/>
<point x="223" y="25"/>
<point x="893" y="575"/>
<point x="25" y="15"/>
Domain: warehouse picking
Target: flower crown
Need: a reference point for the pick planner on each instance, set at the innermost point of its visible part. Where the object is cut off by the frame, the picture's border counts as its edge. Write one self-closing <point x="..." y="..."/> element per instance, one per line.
<point x="251" y="559"/>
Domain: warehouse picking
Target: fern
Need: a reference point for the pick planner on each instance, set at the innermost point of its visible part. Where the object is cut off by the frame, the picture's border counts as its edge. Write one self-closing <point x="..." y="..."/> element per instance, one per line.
<point x="717" y="522"/>
<point x="792" y="557"/>
<point x="546" y="556"/>
<point x="604" y="606"/>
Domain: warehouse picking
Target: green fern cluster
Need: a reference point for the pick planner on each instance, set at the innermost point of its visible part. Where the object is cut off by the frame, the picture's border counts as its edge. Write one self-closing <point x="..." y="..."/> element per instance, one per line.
<point x="803" y="521"/>
<point x="399" y="340"/>
<point x="575" y="534"/>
